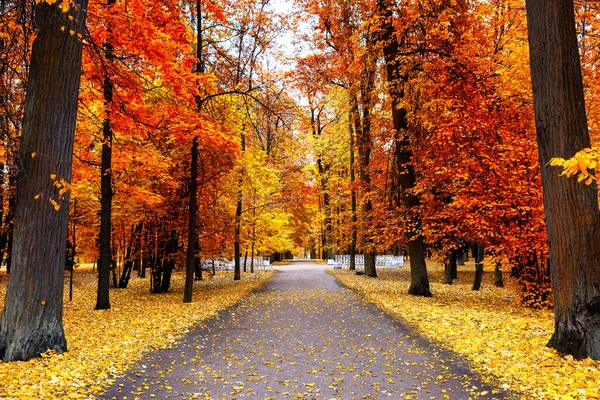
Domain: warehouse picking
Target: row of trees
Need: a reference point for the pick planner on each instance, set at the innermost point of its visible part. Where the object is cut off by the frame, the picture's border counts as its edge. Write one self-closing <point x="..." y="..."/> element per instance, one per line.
<point x="419" y="115"/>
<point x="430" y="103"/>
<point x="163" y="86"/>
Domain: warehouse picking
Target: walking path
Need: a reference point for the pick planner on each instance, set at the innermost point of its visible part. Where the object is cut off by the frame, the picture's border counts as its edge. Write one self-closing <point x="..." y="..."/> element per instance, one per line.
<point x="302" y="336"/>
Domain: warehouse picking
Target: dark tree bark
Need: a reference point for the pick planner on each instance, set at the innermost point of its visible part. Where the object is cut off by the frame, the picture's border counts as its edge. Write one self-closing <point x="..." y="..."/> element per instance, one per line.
<point x="31" y="320"/>
<point x="571" y="209"/>
<point x="406" y="179"/>
<point x="10" y="217"/>
<point x="478" y="266"/>
<point x="132" y="250"/>
<point x="106" y="190"/>
<point x="191" y="248"/>
<point x="498" y="280"/>
<point x="353" y="115"/>
<point x="237" y="254"/>
<point x="450" y="267"/>
<point x="364" y="146"/>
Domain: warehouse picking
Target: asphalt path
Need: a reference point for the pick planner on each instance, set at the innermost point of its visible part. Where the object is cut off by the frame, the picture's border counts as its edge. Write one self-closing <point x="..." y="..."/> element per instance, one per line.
<point x="303" y="336"/>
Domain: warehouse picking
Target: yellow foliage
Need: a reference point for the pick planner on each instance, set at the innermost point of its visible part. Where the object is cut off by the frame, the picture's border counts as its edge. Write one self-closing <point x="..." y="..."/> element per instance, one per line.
<point x="503" y="340"/>
<point x="106" y="343"/>
<point x="579" y="164"/>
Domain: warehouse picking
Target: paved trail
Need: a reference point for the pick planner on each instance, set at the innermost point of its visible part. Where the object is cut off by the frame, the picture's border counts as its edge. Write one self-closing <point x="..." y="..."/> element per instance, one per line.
<point x="303" y="336"/>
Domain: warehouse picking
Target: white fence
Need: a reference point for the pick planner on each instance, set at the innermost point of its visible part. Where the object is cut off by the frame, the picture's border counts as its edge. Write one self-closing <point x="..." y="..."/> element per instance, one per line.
<point x="384" y="261"/>
<point x="226" y="265"/>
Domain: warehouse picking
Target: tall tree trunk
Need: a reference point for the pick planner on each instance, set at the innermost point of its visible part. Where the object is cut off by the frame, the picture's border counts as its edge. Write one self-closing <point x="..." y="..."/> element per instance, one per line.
<point x="406" y="179"/>
<point x="363" y="140"/>
<point x="571" y="209"/>
<point x="237" y="254"/>
<point x="351" y="117"/>
<point x="31" y="320"/>
<point x="106" y="190"/>
<point x="191" y="245"/>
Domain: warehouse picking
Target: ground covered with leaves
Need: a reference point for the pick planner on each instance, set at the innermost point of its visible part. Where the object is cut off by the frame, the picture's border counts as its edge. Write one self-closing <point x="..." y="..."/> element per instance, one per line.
<point x="103" y="344"/>
<point x="502" y="339"/>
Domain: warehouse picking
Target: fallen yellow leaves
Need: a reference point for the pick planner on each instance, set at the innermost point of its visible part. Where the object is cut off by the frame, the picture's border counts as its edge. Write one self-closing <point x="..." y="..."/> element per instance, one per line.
<point x="503" y="340"/>
<point x="106" y="343"/>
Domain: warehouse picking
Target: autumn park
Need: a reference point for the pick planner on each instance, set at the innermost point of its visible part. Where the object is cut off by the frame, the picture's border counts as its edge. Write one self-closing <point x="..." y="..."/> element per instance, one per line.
<point x="299" y="199"/>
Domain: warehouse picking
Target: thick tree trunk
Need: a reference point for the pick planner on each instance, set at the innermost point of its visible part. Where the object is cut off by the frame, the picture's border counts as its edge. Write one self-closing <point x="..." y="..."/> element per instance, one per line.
<point x="32" y="315"/>
<point x="571" y="209"/>
<point x="106" y="191"/>
<point x="406" y="179"/>
<point x="191" y="248"/>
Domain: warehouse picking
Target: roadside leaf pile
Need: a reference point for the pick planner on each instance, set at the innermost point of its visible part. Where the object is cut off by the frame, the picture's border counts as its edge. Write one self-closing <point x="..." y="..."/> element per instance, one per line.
<point x="504" y="341"/>
<point x="105" y="343"/>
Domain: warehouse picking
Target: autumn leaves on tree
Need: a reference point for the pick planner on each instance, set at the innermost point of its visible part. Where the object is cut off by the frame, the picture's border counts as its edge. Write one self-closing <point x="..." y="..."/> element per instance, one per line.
<point x="396" y="127"/>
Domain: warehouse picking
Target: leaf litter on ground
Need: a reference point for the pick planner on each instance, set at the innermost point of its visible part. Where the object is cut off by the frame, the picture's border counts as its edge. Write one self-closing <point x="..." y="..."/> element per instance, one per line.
<point x="105" y="343"/>
<point x="503" y="340"/>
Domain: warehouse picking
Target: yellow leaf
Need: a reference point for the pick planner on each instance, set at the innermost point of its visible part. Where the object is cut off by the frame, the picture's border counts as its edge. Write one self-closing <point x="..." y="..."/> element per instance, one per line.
<point x="55" y="204"/>
<point x="33" y="153"/>
<point x="53" y="176"/>
<point x="556" y="161"/>
<point x="43" y="302"/>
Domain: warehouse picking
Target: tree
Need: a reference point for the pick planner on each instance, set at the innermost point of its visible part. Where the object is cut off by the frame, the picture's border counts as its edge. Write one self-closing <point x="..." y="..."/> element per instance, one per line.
<point x="571" y="210"/>
<point x="405" y="171"/>
<point x="32" y="323"/>
<point x="106" y="188"/>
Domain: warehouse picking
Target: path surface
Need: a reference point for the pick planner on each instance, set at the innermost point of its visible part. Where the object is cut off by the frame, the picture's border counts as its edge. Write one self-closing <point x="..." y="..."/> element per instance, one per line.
<point x="302" y="336"/>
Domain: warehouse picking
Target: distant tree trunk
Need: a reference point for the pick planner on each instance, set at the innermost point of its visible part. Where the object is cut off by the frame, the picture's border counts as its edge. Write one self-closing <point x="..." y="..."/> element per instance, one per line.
<point x="406" y="179"/>
<point x="31" y="320"/>
<point x="363" y="141"/>
<point x="132" y="250"/>
<point x="106" y="190"/>
<point x="571" y="209"/>
<point x="463" y="256"/>
<point x="252" y="249"/>
<point x="478" y="266"/>
<point x="450" y="267"/>
<point x="191" y="245"/>
<point x="498" y="281"/>
<point x="168" y="261"/>
<point x="351" y="118"/>
<point x="238" y="222"/>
